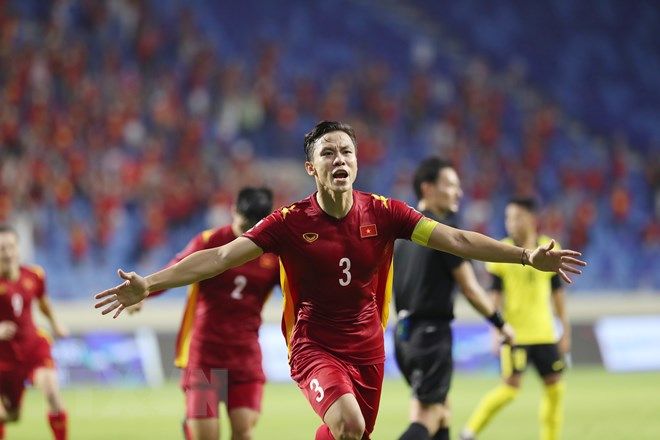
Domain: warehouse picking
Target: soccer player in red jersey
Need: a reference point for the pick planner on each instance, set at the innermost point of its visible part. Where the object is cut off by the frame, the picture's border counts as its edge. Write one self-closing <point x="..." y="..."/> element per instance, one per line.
<point x="24" y="350"/>
<point x="335" y="249"/>
<point x="218" y="342"/>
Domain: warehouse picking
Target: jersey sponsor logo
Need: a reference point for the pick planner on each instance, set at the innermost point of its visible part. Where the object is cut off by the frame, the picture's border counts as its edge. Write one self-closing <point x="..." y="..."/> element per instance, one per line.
<point x="287" y="210"/>
<point x="381" y="198"/>
<point x="368" y="231"/>
<point x="310" y="237"/>
<point x="3" y="289"/>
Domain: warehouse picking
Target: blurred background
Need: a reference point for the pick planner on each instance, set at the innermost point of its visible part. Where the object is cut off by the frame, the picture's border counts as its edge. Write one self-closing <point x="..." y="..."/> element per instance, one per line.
<point x="127" y="126"/>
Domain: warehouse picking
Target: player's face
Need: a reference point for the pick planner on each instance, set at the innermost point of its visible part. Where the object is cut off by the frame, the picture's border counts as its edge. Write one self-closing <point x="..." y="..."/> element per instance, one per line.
<point x="445" y="195"/>
<point x="8" y="253"/>
<point x="334" y="162"/>
<point x="519" y="222"/>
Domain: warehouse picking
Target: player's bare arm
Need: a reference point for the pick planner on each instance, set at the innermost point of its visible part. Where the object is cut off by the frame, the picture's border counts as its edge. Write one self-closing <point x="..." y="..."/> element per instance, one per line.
<point x="45" y="308"/>
<point x="192" y="269"/>
<point x="478" y="298"/>
<point x="468" y="244"/>
<point x="472" y="290"/>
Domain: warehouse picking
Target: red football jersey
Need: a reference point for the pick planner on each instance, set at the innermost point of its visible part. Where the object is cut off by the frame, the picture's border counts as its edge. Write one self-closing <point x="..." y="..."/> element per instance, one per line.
<point x="16" y="305"/>
<point x="224" y="310"/>
<point x="337" y="275"/>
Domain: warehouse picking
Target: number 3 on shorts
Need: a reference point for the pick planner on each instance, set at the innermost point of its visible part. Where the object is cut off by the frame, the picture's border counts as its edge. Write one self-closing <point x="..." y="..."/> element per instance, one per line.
<point x="314" y="386"/>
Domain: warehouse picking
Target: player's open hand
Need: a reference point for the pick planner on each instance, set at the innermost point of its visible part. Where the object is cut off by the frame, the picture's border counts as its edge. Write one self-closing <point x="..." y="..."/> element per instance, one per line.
<point x="562" y="261"/>
<point x="130" y="292"/>
<point x="7" y="330"/>
<point x="60" y="331"/>
<point x="135" y="308"/>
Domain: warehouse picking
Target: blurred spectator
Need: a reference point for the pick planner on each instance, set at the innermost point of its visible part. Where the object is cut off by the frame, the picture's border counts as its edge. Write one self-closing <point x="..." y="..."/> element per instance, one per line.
<point x="135" y="118"/>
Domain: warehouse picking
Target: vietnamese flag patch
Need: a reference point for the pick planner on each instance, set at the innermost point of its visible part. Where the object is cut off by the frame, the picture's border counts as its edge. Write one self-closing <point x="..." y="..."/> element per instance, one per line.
<point x="368" y="231"/>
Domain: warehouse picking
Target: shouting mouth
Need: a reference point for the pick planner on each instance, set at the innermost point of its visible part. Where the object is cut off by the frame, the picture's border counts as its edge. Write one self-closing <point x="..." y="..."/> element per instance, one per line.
<point x="340" y="176"/>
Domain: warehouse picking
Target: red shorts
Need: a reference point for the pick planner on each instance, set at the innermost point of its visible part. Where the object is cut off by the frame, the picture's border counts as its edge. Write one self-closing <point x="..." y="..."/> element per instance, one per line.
<point x="39" y="355"/>
<point x="12" y="386"/>
<point x="206" y="387"/>
<point x="324" y="378"/>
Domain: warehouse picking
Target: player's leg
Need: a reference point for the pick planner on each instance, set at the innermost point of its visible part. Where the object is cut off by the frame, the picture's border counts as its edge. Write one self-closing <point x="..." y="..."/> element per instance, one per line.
<point x="513" y="362"/>
<point x="244" y="408"/>
<point x="550" y="365"/>
<point x="203" y="429"/>
<point x="243" y="421"/>
<point x="45" y="379"/>
<point x="425" y="360"/>
<point x="12" y="387"/>
<point x="327" y="383"/>
<point x="43" y="375"/>
<point x="406" y="361"/>
<point x="202" y="390"/>
<point x="344" y="419"/>
<point x="10" y="398"/>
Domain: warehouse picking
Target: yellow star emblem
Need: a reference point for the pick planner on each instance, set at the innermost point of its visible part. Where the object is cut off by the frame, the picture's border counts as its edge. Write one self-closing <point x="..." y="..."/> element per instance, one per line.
<point x="287" y="210"/>
<point x="381" y="198"/>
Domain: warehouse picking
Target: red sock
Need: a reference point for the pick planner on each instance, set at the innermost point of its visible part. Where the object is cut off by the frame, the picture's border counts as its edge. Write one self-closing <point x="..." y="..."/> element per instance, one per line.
<point x="2" y="431"/>
<point x="58" y="425"/>
<point x="323" y="433"/>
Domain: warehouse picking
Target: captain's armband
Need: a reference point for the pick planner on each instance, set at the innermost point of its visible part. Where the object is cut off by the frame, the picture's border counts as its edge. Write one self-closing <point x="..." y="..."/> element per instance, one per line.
<point x="422" y="232"/>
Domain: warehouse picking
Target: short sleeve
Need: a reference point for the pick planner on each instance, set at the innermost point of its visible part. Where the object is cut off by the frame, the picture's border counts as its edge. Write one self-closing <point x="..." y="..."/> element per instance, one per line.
<point x="404" y="219"/>
<point x="265" y="233"/>
<point x="453" y="261"/>
<point x="497" y="283"/>
<point x="196" y="244"/>
<point x="40" y="280"/>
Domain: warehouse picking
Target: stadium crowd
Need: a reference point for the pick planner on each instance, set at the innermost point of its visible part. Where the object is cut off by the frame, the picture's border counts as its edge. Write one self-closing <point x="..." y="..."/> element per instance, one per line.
<point x="127" y="126"/>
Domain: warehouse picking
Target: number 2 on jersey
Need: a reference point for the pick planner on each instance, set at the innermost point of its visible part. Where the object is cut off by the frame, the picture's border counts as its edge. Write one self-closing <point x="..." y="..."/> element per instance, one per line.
<point x="347" y="272"/>
<point x="240" y="282"/>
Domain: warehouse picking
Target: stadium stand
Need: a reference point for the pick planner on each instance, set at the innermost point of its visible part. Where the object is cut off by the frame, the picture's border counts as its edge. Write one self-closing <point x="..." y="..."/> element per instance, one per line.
<point x="128" y="128"/>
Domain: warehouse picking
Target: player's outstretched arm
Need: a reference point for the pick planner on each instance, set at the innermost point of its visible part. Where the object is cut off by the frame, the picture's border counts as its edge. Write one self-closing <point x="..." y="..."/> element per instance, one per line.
<point x="478" y="299"/>
<point x="58" y="329"/>
<point x="468" y="244"/>
<point x="194" y="268"/>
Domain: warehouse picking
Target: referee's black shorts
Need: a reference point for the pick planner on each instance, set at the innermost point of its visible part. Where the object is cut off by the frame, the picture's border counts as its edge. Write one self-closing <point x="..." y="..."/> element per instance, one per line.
<point x="423" y="353"/>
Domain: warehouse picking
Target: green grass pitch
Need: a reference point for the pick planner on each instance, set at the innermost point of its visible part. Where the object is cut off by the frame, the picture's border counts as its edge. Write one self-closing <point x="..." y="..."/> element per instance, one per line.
<point x="599" y="405"/>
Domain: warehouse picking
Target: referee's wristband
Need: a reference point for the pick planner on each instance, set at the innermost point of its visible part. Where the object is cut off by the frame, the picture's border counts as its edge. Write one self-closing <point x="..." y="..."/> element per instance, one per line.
<point x="496" y="319"/>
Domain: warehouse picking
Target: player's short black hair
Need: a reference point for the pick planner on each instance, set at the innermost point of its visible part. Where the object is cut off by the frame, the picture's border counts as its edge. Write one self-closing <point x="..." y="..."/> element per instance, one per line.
<point x="8" y="229"/>
<point x="254" y="203"/>
<point x="527" y="203"/>
<point x="427" y="171"/>
<point x="322" y="128"/>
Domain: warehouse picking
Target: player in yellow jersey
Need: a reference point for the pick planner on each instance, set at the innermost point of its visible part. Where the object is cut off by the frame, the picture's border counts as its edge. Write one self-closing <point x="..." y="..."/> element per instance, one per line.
<point x="525" y="296"/>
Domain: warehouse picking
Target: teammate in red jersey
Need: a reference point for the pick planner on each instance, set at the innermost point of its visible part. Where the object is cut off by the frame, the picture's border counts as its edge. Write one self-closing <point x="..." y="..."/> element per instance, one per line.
<point x="24" y="350"/>
<point x="218" y="343"/>
<point x="335" y="248"/>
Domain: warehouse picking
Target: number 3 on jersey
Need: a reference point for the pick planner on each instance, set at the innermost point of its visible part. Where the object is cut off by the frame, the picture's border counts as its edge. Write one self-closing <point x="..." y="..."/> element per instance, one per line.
<point x="314" y="386"/>
<point x="345" y="264"/>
